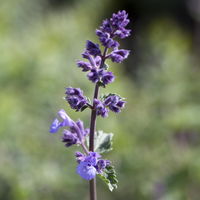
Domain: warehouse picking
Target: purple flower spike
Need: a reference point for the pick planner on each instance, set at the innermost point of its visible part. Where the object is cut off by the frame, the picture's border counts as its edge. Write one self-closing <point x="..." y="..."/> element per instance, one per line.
<point x="115" y="26"/>
<point x="93" y="48"/>
<point x="119" y="55"/>
<point x="95" y="64"/>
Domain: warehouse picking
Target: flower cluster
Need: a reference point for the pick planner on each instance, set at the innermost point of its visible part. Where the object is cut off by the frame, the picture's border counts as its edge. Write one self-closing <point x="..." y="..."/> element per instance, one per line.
<point x="75" y="98"/>
<point x="111" y="28"/>
<point x="96" y="72"/>
<point x="90" y="165"/>
<point x="76" y="132"/>
<point x="100" y="75"/>
<point x="100" y="107"/>
<point x="112" y="101"/>
<point x="115" y="26"/>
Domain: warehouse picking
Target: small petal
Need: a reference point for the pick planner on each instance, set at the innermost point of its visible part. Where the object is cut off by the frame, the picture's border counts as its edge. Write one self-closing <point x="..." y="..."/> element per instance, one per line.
<point x="100" y="108"/>
<point x="84" y="65"/>
<point x="69" y="138"/>
<point x="75" y="98"/>
<point x="93" y="48"/>
<point x="79" y="157"/>
<point x="94" y="75"/>
<point x="54" y="126"/>
<point x="121" y="104"/>
<point x="67" y="121"/>
<point x="85" y="171"/>
<point x="108" y="77"/>
<point x="80" y="125"/>
<point x="114" y="102"/>
<point x="119" y="55"/>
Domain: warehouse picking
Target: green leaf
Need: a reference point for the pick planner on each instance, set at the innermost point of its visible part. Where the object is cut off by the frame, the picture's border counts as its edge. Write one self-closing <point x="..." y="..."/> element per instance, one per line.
<point x="103" y="142"/>
<point x="109" y="177"/>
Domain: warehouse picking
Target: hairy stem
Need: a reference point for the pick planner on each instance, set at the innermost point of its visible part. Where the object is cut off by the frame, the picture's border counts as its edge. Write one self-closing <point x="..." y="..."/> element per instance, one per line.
<point x="84" y="148"/>
<point x="93" y="194"/>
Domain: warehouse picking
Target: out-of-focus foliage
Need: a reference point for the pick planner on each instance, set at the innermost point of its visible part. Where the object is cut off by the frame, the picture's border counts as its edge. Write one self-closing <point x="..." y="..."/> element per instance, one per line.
<point x="156" y="141"/>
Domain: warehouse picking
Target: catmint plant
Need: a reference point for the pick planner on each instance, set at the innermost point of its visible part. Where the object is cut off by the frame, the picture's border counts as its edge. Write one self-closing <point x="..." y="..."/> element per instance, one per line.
<point x="90" y="162"/>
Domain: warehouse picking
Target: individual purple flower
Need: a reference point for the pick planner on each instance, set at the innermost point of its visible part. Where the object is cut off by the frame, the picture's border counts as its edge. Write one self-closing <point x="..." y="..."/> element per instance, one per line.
<point x="106" y="26"/>
<point x="86" y="171"/>
<point x="102" y="164"/>
<point x="56" y="124"/>
<point x="69" y="138"/>
<point x="74" y="91"/>
<point x="75" y="98"/>
<point x="92" y="48"/>
<point x="92" y="158"/>
<point x="84" y="65"/>
<point x="75" y="134"/>
<point x="80" y="157"/>
<point x="119" y="55"/>
<point x="122" y="33"/>
<point x="96" y="75"/>
<point x="100" y="108"/>
<point x="107" y="77"/>
<point x="114" y="103"/>
<point x="83" y="131"/>
<point x="98" y="61"/>
<point x="106" y="39"/>
<point x="90" y="165"/>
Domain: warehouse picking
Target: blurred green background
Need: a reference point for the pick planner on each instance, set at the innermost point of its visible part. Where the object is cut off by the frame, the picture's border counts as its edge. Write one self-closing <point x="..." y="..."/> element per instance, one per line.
<point x="157" y="137"/>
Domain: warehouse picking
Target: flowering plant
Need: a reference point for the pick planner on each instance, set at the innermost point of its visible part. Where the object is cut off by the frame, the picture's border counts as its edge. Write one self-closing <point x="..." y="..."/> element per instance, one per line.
<point x="94" y="143"/>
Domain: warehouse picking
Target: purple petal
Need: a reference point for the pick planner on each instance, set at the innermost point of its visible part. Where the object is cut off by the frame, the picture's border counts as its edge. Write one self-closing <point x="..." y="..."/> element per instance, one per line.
<point x="54" y="126"/>
<point x="67" y="121"/>
<point x="85" y="171"/>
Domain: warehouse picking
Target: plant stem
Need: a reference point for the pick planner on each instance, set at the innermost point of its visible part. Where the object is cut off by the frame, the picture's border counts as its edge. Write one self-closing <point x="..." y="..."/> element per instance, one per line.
<point x="93" y="193"/>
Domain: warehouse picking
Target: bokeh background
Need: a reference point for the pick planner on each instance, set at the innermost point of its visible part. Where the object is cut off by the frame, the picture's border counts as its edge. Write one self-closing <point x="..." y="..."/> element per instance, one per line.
<point x="157" y="137"/>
